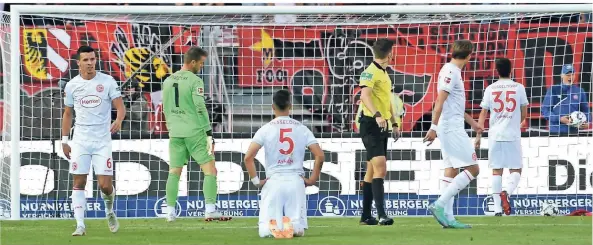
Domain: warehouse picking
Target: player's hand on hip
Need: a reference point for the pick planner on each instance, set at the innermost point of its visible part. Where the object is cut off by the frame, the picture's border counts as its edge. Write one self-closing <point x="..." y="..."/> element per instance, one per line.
<point x="66" y="148"/>
<point x="115" y="126"/>
<point x="309" y="182"/>
<point x="381" y="122"/>
<point x="430" y="136"/>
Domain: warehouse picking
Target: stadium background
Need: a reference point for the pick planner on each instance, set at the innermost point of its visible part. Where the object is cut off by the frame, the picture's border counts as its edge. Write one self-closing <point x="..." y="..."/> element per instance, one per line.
<point x="322" y="73"/>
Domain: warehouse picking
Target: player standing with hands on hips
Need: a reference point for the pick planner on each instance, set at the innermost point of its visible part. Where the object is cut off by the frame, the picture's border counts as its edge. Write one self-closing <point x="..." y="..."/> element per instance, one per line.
<point x="91" y="95"/>
<point x="190" y="132"/>
<point x="507" y="102"/>
<point x="283" y="192"/>
<point x="378" y="117"/>
<point x="456" y="146"/>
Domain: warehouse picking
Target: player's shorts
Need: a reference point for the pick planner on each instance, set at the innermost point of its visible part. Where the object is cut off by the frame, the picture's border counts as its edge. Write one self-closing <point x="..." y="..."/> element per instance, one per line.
<point x="198" y="147"/>
<point x="283" y="195"/>
<point x="97" y="153"/>
<point x="505" y="154"/>
<point x="457" y="149"/>
<point x="373" y="138"/>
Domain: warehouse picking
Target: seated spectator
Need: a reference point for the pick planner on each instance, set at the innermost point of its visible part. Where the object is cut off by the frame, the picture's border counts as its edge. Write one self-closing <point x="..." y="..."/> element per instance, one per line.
<point x="563" y="99"/>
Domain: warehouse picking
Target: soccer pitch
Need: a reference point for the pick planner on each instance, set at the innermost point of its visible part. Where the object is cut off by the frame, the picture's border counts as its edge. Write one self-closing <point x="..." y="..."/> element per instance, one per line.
<point x="423" y="230"/>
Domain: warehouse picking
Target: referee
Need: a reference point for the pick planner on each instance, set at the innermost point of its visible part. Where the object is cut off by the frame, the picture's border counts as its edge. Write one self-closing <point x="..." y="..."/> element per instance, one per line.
<point x="377" y="118"/>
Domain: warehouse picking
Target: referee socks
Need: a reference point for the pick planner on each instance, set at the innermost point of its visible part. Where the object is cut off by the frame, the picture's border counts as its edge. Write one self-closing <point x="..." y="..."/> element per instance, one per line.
<point x="379" y="196"/>
<point x="367" y="200"/>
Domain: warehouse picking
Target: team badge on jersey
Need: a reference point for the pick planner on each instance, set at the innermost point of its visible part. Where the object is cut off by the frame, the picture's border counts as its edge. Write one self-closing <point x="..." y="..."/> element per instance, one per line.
<point x="201" y="91"/>
<point x="100" y="88"/>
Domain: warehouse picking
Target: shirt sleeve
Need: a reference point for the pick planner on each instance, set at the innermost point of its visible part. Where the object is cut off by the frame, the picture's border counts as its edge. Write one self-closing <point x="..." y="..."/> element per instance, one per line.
<point x="198" y="95"/>
<point x="447" y="82"/>
<point x="548" y="108"/>
<point x="69" y="100"/>
<point x="114" y="90"/>
<point x="584" y="107"/>
<point x="485" y="104"/>
<point x="524" y="101"/>
<point x="258" y="138"/>
<point x="366" y="79"/>
<point x="310" y="138"/>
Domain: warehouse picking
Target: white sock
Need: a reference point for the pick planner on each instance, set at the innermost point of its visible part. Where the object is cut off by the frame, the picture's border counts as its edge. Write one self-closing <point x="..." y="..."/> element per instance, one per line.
<point x="514" y="178"/>
<point x="171" y="210"/>
<point x="210" y="208"/>
<point x="496" y="189"/>
<point x="79" y="206"/>
<point x="445" y="181"/>
<point x="459" y="182"/>
<point x="108" y="199"/>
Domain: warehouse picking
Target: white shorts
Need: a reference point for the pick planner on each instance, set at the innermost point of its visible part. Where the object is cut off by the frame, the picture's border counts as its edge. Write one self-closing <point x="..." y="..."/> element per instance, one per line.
<point x="457" y="149"/>
<point x="86" y="153"/>
<point x="505" y="154"/>
<point x="283" y="195"/>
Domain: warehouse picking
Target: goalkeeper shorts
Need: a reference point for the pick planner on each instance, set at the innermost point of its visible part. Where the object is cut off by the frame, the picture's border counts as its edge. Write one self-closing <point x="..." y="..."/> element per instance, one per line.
<point x="198" y="147"/>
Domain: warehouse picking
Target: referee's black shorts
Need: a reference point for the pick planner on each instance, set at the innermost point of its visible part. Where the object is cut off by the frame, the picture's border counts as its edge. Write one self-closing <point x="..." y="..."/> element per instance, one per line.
<point x="373" y="138"/>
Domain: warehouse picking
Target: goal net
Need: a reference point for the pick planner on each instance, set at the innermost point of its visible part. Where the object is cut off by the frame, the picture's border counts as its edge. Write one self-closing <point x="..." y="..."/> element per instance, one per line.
<point x="319" y="58"/>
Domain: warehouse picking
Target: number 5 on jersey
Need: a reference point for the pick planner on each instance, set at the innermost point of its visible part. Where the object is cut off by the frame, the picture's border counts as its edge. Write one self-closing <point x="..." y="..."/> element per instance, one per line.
<point x="286" y="139"/>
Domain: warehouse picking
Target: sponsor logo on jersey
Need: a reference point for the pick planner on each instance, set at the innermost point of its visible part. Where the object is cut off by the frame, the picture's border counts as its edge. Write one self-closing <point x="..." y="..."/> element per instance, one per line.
<point x="331" y="206"/>
<point x="100" y="88"/>
<point x="160" y="207"/>
<point x="90" y="101"/>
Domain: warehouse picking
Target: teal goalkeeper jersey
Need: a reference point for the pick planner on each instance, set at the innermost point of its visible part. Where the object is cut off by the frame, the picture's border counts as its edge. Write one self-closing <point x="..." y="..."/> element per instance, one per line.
<point x="184" y="106"/>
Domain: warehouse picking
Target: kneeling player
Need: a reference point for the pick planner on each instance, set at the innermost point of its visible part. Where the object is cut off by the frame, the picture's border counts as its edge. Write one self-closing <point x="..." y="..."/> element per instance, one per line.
<point x="504" y="151"/>
<point x="283" y="192"/>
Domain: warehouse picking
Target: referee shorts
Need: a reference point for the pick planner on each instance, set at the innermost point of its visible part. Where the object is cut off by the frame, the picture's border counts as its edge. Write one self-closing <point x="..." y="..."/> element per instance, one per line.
<point x="373" y="138"/>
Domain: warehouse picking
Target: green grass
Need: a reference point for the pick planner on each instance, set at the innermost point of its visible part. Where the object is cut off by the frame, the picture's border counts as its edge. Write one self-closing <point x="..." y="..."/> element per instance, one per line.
<point x="422" y="230"/>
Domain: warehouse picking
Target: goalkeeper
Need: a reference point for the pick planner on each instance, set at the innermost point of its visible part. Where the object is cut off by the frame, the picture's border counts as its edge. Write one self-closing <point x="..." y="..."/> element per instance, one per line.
<point x="190" y="133"/>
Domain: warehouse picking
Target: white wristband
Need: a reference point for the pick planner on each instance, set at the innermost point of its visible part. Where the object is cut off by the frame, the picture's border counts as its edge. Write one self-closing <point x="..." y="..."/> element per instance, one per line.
<point x="433" y="127"/>
<point x="64" y="139"/>
<point x="255" y="180"/>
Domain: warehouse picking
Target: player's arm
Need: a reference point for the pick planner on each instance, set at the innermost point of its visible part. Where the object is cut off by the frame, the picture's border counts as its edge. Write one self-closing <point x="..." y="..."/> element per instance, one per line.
<point x="482" y="118"/>
<point x="199" y="100"/>
<point x="67" y="120"/>
<point x="256" y="144"/>
<point x="524" y="102"/>
<point x="584" y="107"/>
<point x="319" y="156"/>
<point x="395" y="120"/>
<point x="470" y="120"/>
<point x="548" y="109"/>
<point x="366" y="95"/>
<point x="118" y="104"/>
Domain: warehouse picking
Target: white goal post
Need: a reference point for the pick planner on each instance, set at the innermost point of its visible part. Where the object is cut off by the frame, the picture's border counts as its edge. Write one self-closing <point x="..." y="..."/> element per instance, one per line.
<point x="437" y="15"/>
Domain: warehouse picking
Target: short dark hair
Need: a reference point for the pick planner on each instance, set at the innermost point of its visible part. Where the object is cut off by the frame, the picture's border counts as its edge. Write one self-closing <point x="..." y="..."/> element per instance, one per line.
<point x="503" y="66"/>
<point x="462" y="49"/>
<point x="194" y="53"/>
<point x="382" y="48"/>
<point x="84" y="49"/>
<point x="281" y="99"/>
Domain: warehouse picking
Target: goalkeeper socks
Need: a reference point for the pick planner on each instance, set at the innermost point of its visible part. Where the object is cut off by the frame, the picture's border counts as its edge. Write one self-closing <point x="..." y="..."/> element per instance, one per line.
<point x="79" y="204"/>
<point x="210" y="190"/>
<point x="379" y="196"/>
<point x="367" y="200"/>
<point x="514" y="179"/>
<point x="496" y="189"/>
<point x="445" y="181"/>
<point x="108" y="199"/>
<point x="172" y="191"/>
<point x="459" y="182"/>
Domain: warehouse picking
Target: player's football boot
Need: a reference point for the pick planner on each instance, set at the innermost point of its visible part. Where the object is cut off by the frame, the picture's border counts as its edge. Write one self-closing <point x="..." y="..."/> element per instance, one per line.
<point x="439" y="214"/>
<point x="80" y="231"/>
<point x="506" y="203"/>
<point x="454" y="224"/>
<point x="287" y="227"/>
<point x="369" y="221"/>
<point x="171" y="216"/>
<point x="498" y="214"/>
<point x="112" y="222"/>
<point x="277" y="232"/>
<point x="212" y="216"/>
<point x="385" y="221"/>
